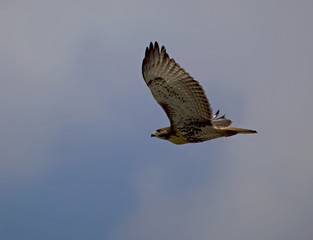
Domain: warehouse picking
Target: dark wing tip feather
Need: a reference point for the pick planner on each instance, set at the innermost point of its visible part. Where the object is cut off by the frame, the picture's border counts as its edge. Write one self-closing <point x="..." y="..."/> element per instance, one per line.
<point x="155" y="47"/>
<point x="147" y="52"/>
<point x="144" y="61"/>
<point x="153" y="51"/>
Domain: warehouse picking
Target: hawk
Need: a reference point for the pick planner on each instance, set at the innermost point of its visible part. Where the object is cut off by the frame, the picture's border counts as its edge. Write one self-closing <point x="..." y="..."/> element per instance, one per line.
<point x="183" y="100"/>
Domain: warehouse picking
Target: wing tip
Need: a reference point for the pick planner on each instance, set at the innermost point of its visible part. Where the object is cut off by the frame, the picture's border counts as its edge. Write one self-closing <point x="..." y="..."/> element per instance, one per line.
<point x="155" y="47"/>
<point x="150" y="46"/>
<point x="153" y="50"/>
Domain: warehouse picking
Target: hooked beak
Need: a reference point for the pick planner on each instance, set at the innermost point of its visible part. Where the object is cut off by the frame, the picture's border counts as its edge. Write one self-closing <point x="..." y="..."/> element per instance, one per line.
<point x="153" y="134"/>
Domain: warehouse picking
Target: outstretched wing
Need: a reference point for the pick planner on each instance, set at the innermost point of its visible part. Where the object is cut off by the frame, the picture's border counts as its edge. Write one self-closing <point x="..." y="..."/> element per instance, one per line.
<point x="181" y="97"/>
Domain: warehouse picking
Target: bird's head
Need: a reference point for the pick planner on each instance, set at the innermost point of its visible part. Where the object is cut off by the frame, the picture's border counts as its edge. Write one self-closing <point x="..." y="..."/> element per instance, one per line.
<point x="162" y="133"/>
<point x="170" y="135"/>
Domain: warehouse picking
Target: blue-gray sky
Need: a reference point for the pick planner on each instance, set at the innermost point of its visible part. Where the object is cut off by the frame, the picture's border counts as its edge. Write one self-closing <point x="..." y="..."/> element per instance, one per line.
<point x="76" y="157"/>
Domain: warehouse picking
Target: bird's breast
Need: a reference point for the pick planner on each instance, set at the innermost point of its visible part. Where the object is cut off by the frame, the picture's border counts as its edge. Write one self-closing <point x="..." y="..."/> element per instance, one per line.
<point x="178" y="138"/>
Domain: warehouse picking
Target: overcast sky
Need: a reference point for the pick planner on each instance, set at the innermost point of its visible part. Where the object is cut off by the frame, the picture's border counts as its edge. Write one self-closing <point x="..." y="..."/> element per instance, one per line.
<point x="76" y="157"/>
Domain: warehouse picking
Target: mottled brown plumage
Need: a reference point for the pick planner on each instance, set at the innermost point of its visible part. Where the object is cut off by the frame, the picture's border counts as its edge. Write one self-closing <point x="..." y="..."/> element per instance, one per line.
<point x="183" y="100"/>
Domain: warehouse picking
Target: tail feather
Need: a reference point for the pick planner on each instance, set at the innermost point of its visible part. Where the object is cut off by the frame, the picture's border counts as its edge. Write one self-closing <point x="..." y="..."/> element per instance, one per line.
<point x="239" y="130"/>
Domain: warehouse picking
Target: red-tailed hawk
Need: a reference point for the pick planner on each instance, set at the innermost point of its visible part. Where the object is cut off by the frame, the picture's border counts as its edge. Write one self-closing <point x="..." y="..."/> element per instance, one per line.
<point x="183" y="100"/>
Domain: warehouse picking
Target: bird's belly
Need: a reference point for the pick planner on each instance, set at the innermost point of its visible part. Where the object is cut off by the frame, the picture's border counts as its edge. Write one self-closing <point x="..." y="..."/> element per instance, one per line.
<point x="178" y="139"/>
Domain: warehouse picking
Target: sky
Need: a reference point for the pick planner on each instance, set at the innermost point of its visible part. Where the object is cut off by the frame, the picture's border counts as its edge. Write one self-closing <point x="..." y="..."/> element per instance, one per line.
<point x="76" y="157"/>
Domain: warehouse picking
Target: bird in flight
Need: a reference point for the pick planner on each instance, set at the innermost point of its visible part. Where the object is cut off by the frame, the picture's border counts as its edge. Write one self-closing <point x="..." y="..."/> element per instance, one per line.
<point x="183" y="100"/>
